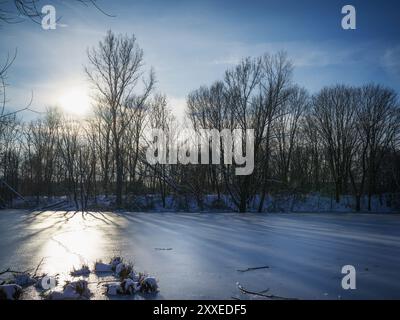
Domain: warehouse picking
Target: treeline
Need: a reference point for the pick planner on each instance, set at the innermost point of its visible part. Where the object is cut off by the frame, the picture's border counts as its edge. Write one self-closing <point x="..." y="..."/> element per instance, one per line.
<point x="340" y="140"/>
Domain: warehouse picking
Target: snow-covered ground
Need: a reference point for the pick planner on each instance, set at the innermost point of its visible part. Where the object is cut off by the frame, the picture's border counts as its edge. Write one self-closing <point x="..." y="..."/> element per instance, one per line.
<point x="298" y="203"/>
<point x="197" y="255"/>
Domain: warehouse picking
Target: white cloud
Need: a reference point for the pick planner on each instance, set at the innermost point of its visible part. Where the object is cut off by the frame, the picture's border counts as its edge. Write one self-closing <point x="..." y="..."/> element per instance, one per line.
<point x="233" y="60"/>
<point x="303" y="54"/>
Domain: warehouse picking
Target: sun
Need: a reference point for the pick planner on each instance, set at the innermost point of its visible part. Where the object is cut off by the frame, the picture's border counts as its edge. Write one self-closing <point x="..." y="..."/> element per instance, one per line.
<point x="75" y="101"/>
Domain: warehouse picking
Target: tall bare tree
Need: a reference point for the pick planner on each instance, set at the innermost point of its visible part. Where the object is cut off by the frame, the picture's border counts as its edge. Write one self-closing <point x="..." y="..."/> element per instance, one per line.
<point x="116" y="66"/>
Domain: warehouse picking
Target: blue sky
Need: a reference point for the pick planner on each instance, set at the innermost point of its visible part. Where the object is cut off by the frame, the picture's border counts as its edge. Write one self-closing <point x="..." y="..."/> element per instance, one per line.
<point x="192" y="43"/>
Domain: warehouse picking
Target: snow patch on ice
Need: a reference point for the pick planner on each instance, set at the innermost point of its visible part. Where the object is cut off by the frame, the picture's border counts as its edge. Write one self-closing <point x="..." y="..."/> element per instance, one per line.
<point x="77" y="290"/>
<point x="82" y="271"/>
<point x="24" y="279"/>
<point x="10" y="292"/>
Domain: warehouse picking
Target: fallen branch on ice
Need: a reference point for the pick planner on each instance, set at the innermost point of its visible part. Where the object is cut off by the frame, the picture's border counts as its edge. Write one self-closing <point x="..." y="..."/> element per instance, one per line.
<point x="261" y="293"/>
<point x="8" y="270"/>
<point x="37" y="267"/>
<point x="251" y="269"/>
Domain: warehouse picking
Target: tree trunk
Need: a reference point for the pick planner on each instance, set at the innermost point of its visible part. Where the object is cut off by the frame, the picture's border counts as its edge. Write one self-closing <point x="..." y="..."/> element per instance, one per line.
<point x="358" y="203"/>
<point x="118" y="190"/>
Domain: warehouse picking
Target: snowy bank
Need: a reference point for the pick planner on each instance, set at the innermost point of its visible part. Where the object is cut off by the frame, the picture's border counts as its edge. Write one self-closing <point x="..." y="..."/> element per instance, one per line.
<point x="312" y="203"/>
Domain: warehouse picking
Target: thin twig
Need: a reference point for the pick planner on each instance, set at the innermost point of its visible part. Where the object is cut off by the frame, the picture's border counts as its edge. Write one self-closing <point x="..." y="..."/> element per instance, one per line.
<point x="8" y="270"/>
<point x="38" y="266"/>
<point x="251" y="269"/>
<point x="262" y="293"/>
<point x="5" y="271"/>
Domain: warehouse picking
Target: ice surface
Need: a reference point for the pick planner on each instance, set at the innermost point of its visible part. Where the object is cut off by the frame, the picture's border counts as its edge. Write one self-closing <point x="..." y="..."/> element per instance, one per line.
<point x="305" y="252"/>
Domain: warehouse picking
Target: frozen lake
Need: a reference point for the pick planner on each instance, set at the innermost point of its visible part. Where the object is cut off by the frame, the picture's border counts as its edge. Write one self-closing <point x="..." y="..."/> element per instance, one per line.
<point x="197" y="255"/>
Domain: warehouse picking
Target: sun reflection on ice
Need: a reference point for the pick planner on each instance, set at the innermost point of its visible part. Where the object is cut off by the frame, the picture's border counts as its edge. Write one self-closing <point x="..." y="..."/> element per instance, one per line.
<point x="79" y="240"/>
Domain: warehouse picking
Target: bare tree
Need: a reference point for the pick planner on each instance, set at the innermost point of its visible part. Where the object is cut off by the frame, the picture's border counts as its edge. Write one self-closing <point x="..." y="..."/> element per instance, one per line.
<point x="286" y="131"/>
<point x="378" y="124"/>
<point x="276" y="90"/>
<point x="115" y="68"/>
<point x="334" y="114"/>
<point x="161" y="118"/>
<point x="15" y="11"/>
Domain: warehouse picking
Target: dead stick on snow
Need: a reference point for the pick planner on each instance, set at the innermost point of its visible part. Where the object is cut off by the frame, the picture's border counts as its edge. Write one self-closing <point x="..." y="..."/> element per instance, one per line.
<point x="251" y="269"/>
